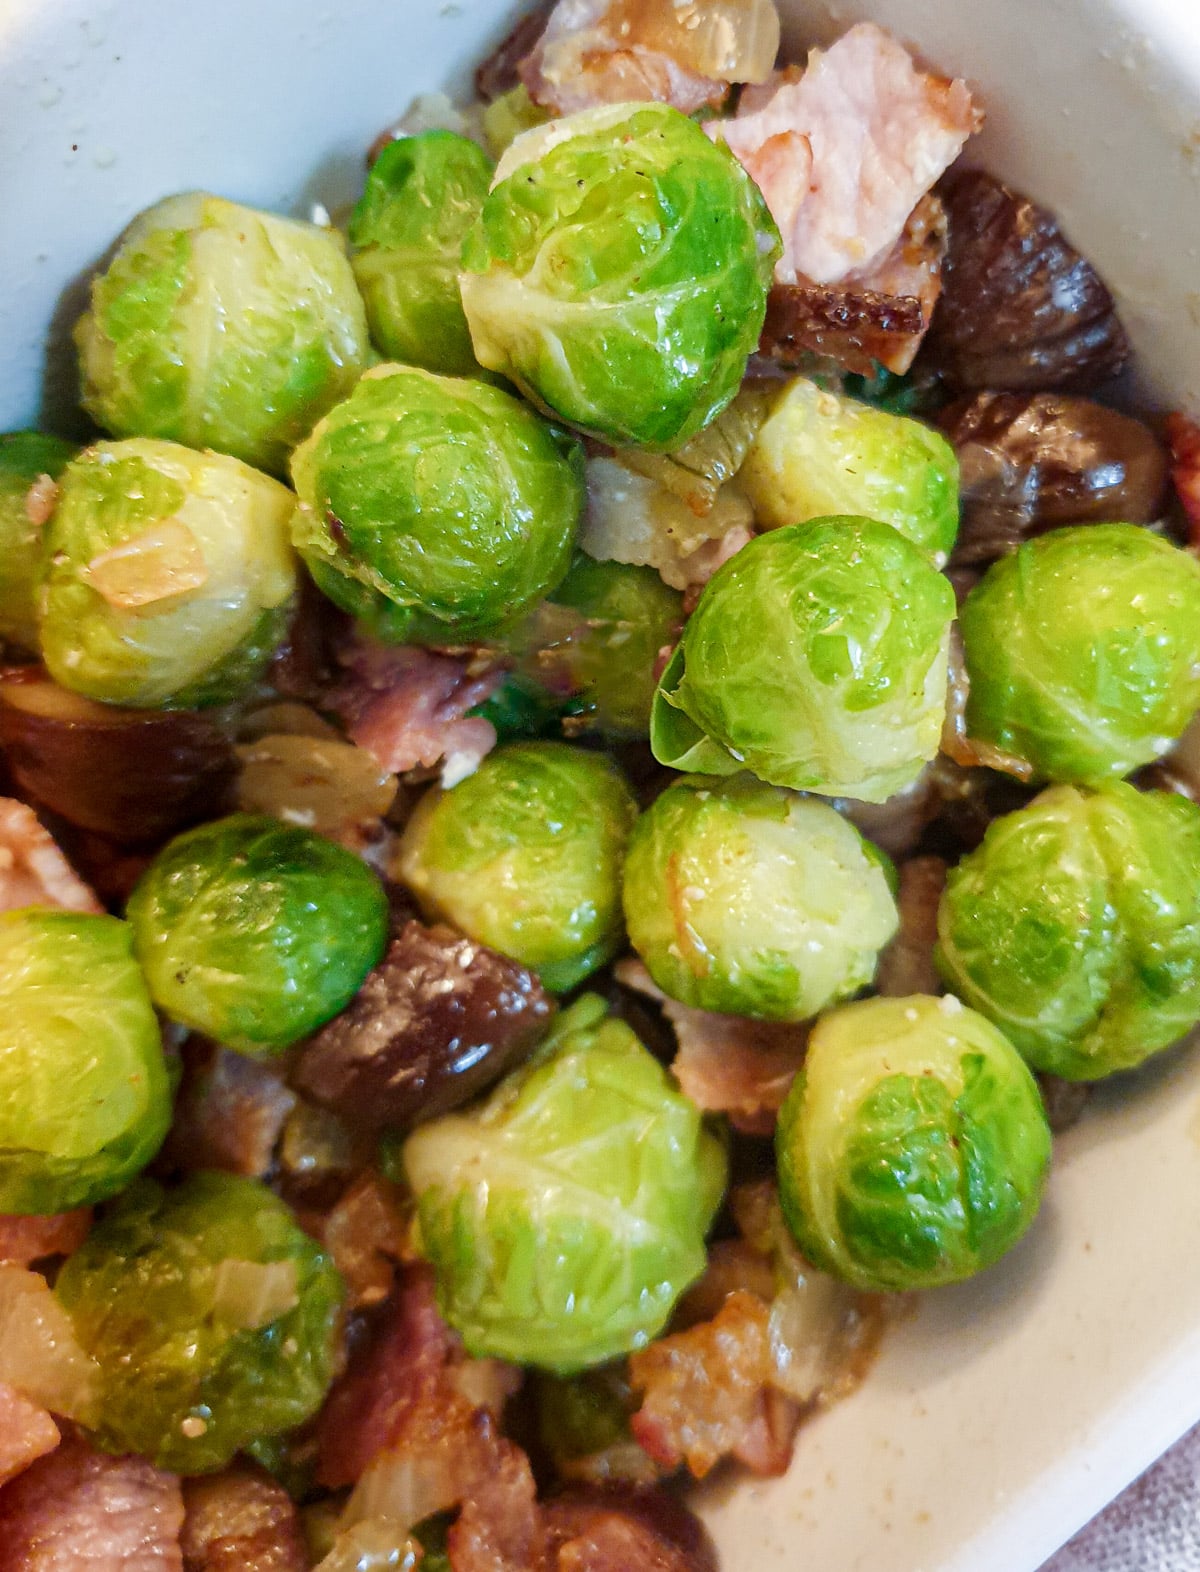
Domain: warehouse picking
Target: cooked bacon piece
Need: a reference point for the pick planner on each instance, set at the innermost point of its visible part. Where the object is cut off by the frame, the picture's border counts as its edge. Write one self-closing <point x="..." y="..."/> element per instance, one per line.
<point x="27" y="1432"/>
<point x="1183" y="442"/>
<point x="33" y="871"/>
<point x="499" y="73"/>
<point x="389" y="1376"/>
<point x="845" y="153"/>
<point x="24" y="1240"/>
<point x="366" y="1233"/>
<point x="1021" y="310"/>
<point x="241" y="1521"/>
<point x="438" y="1020"/>
<point x="499" y="1528"/>
<point x="618" y="1530"/>
<point x="727" y="1063"/>
<point x="877" y="316"/>
<point x="906" y="966"/>
<point x="229" y="1113"/>
<point x="708" y="1394"/>
<point x="617" y="51"/>
<point x="80" y="1511"/>
<point x="408" y="708"/>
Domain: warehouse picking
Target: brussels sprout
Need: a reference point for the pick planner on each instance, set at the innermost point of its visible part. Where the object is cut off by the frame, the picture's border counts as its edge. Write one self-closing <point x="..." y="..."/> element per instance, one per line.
<point x="631" y="615"/>
<point x="819" y="453"/>
<point x="506" y="117"/>
<point x="24" y="457"/>
<point x="749" y="900"/>
<point x="166" y="575"/>
<point x="84" y="1096"/>
<point x="212" y="1316"/>
<point x="221" y="327"/>
<point x="817" y="659"/>
<point x="256" y="932"/>
<point x="619" y="272"/>
<point x="422" y="195"/>
<point x="1075" y="927"/>
<point x="436" y="509"/>
<point x="1083" y="651"/>
<point x="913" y="1145"/>
<point x="566" y="1214"/>
<point x="525" y="856"/>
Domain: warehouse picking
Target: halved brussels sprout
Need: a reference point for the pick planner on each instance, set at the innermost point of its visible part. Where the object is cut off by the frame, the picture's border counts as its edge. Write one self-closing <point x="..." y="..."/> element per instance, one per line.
<point x="565" y="1215"/>
<point x="819" y="454"/>
<point x="817" y="659"/>
<point x="1075" y="927"/>
<point x="630" y="616"/>
<point x="256" y="932"/>
<point x="525" y="855"/>
<point x="436" y="509"/>
<point x="25" y="456"/>
<point x="749" y="900"/>
<point x="84" y="1095"/>
<point x="1083" y="651"/>
<point x="212" y="1316"/>
<point x="619" y="272"/>
<point x="221" y="327"/>
<point x="166" y="575"/>
<point x="422" y="196"/>
<point x="913" y="1146"/>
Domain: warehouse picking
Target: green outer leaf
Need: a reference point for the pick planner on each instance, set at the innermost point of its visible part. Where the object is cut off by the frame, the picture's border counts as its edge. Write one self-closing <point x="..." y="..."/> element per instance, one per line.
<point x="913" y="1147"/>
<point x="446" y="505"/>
<point x="24" y="455"/>
<point x="422" y="195"/>
<point x="749" y="900"/>
<point x="1075" y="927"/>
<point x="816" y="658"/>
<point x="84" y="1096"/>
<point x="256" y="932"/>
<point x="220" y="326"/>
<point x="566" y="1214"/>
<point x="620" y="279"/>
<point x="525" y="855"/>
<point x="140" y="1292"/>
<point x="1083" y="650"/>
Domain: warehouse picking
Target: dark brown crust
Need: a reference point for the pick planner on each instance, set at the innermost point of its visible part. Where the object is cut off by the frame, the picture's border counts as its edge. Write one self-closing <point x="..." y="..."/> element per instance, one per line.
<point x="855" y="329"/>
<point x="1021" y="310"/>
<point x="438" y="1020"/>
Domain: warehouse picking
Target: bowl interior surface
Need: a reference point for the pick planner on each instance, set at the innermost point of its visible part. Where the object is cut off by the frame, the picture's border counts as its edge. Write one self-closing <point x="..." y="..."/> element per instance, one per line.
<point x="1001" y="1414"/>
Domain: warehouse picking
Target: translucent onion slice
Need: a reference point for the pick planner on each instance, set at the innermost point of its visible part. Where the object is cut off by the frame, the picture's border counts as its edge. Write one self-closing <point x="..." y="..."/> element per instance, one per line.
<point x="404" y="1487"/>
<point x="372" y="1546"/>
<point x="727" y="40"/>
<point x="321" y="783"/>
<point x="39" y="1352"/>
<point x="247" y="1295"/>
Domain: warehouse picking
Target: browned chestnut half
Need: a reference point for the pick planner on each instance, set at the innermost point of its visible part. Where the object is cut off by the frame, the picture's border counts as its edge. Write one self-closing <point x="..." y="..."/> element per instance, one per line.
<point x="131" y="775"/>
<point x="1020" y="308"/>
<point x="1032" y="461"/>
<point x="438" y="1020"/>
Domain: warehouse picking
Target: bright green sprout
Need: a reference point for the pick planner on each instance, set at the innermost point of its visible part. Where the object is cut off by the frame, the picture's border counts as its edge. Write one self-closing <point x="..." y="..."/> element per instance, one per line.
<point x="1075" y="927"/>
<point x="750" y="900"/>
<point x="84" y="1095"/>
<point x="25" y="456"/>
<point x="525" y="855"/>
<point x="437" y="509"/>
<point x="1083" y="651"/>
<point x="913" y="1145"/>
<point x="222" y="327"/>
<point x="166" y="576"/>
<point x="619" y="273"/>
<point x="213" y="1317"/>
<point x="566" y="1214"/>
<point x="422" y="196"/>
<point x="256" y="932"/>
<point x="817" y="659"/>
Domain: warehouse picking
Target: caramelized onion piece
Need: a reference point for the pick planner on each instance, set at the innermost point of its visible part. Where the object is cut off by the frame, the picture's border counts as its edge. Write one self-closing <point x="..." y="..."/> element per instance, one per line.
<point x="132" y="775"/>
<point x="324" y="784"/>
<point x="1020" y="308"/>
<point x="1032" y="461"/>
<point x="438" y="1020"/>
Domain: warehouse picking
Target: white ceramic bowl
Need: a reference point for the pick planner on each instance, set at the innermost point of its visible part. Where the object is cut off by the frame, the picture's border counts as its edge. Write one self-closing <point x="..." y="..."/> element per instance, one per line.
<point x="1005" y="1412"/>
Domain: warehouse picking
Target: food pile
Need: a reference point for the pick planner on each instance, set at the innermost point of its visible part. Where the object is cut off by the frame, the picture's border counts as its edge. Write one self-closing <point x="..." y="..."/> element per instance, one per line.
<point x="591" y="766"/>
